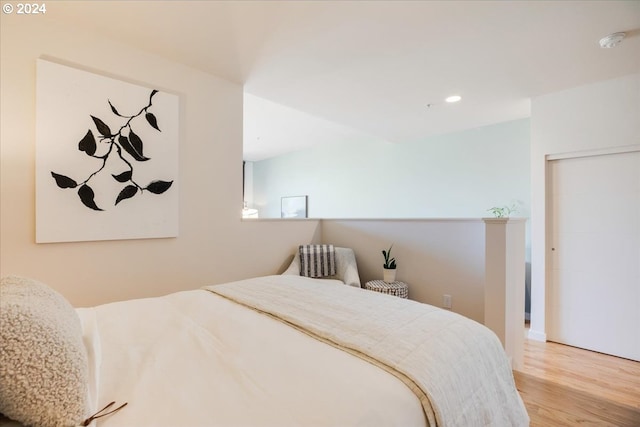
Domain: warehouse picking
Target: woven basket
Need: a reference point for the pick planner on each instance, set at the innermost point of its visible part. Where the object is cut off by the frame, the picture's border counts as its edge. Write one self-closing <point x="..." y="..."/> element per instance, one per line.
<point x="399" y="289"/>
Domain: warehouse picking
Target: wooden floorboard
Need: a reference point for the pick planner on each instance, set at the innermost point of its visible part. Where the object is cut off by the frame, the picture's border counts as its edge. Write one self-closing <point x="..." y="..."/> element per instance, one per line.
<point x="567" y="386"/>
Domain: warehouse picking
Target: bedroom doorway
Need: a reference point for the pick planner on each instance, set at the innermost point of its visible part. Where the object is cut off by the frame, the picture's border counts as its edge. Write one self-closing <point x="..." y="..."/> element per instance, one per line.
<point x="594" y="252"/>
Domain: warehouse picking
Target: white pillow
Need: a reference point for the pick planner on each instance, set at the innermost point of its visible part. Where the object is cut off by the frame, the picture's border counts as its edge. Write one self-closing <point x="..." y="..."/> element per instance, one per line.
<point x="43" y="362"/>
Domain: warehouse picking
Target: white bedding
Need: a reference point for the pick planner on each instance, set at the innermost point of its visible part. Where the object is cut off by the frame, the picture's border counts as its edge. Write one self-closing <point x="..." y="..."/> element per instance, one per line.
<point x="197" y="359"/>
<point x="456" y="367"/>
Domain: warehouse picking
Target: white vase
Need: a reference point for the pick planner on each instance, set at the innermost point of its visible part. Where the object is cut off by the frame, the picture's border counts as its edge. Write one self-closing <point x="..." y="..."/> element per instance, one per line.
<point x="389" y="275"/>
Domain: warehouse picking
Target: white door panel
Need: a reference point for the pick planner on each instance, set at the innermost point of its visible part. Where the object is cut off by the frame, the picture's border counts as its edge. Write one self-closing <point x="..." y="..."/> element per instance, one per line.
<point x="594" y="289"/>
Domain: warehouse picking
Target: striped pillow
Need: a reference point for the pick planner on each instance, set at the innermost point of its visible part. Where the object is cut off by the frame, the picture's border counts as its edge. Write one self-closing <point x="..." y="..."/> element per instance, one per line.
<point x="317" y="260"/>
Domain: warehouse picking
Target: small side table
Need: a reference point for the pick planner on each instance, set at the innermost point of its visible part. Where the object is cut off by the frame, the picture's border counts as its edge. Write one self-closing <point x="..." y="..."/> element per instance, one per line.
<point x="399" y="289"/>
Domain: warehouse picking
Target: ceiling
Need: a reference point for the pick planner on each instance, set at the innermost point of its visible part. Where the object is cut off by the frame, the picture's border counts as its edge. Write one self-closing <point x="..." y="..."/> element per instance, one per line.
<point x="333" y="71"/>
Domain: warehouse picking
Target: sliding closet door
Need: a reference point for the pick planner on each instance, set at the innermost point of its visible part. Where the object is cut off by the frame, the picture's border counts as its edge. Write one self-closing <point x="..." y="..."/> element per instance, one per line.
<point x="594" y="288"/>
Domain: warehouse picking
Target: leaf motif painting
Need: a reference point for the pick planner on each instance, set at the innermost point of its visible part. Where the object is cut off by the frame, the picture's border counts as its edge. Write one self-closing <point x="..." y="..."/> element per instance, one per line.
<point x="106" y="157"/>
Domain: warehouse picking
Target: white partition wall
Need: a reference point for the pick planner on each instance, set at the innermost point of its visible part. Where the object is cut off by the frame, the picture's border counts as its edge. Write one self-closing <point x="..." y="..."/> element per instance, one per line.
<point x="436" y="257"/>
<point x="505" y="284"/>
<point x="479" y="264"/>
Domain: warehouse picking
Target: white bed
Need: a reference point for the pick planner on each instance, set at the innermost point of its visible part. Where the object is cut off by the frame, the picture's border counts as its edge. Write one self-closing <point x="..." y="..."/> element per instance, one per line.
<point x="293" y="351"/>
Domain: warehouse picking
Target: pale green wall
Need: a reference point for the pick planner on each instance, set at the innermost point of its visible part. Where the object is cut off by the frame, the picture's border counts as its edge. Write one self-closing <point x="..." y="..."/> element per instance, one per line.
<point x="461" y="174"/>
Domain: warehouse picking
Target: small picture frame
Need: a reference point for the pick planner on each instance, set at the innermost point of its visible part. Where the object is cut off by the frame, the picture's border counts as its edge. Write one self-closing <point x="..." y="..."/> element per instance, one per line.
<point x="293" y="207"/>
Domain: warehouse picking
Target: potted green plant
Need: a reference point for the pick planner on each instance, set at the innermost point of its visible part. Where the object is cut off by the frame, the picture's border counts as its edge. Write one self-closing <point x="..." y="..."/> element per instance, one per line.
<point x="504" y="211"/>
<point x="389" y="266"/>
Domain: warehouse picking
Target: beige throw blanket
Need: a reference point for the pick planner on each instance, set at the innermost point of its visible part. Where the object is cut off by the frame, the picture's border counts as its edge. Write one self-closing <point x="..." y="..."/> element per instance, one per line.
<point x="456" y="367"/>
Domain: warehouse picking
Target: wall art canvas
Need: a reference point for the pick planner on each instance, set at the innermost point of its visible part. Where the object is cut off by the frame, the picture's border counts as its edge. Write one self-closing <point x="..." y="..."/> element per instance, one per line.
<point x="106" y="158"/>
<point x="293" y="207"/>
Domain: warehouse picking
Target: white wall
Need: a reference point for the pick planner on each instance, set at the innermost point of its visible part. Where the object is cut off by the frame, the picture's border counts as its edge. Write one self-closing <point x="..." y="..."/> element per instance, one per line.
<point x="213" y="246"/>
<point x="455" y="175"/>
<point x="593" y="117"/>
<point x="434" y="256"/>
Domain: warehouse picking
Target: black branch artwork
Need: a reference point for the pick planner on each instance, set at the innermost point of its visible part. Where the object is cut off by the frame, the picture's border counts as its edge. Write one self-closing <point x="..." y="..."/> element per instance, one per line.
<point x="125" y="140"/>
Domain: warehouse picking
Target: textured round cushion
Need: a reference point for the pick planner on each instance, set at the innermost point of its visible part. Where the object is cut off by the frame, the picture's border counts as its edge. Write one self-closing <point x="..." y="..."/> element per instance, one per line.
<point x="43" y="362"/>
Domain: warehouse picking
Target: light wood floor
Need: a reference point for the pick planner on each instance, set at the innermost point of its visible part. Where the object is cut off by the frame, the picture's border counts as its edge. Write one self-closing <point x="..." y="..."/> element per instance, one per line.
<point x="568" y="386"/>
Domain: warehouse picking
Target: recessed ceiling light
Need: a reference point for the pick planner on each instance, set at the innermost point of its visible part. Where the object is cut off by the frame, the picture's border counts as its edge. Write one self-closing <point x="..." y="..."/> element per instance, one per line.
<point x="611" y="40"/>
<point x="453" y="98"/>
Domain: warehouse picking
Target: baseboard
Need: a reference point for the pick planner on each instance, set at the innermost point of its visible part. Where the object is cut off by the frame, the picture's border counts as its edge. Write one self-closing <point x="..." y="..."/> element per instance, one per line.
<point x="537" y="336"/>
